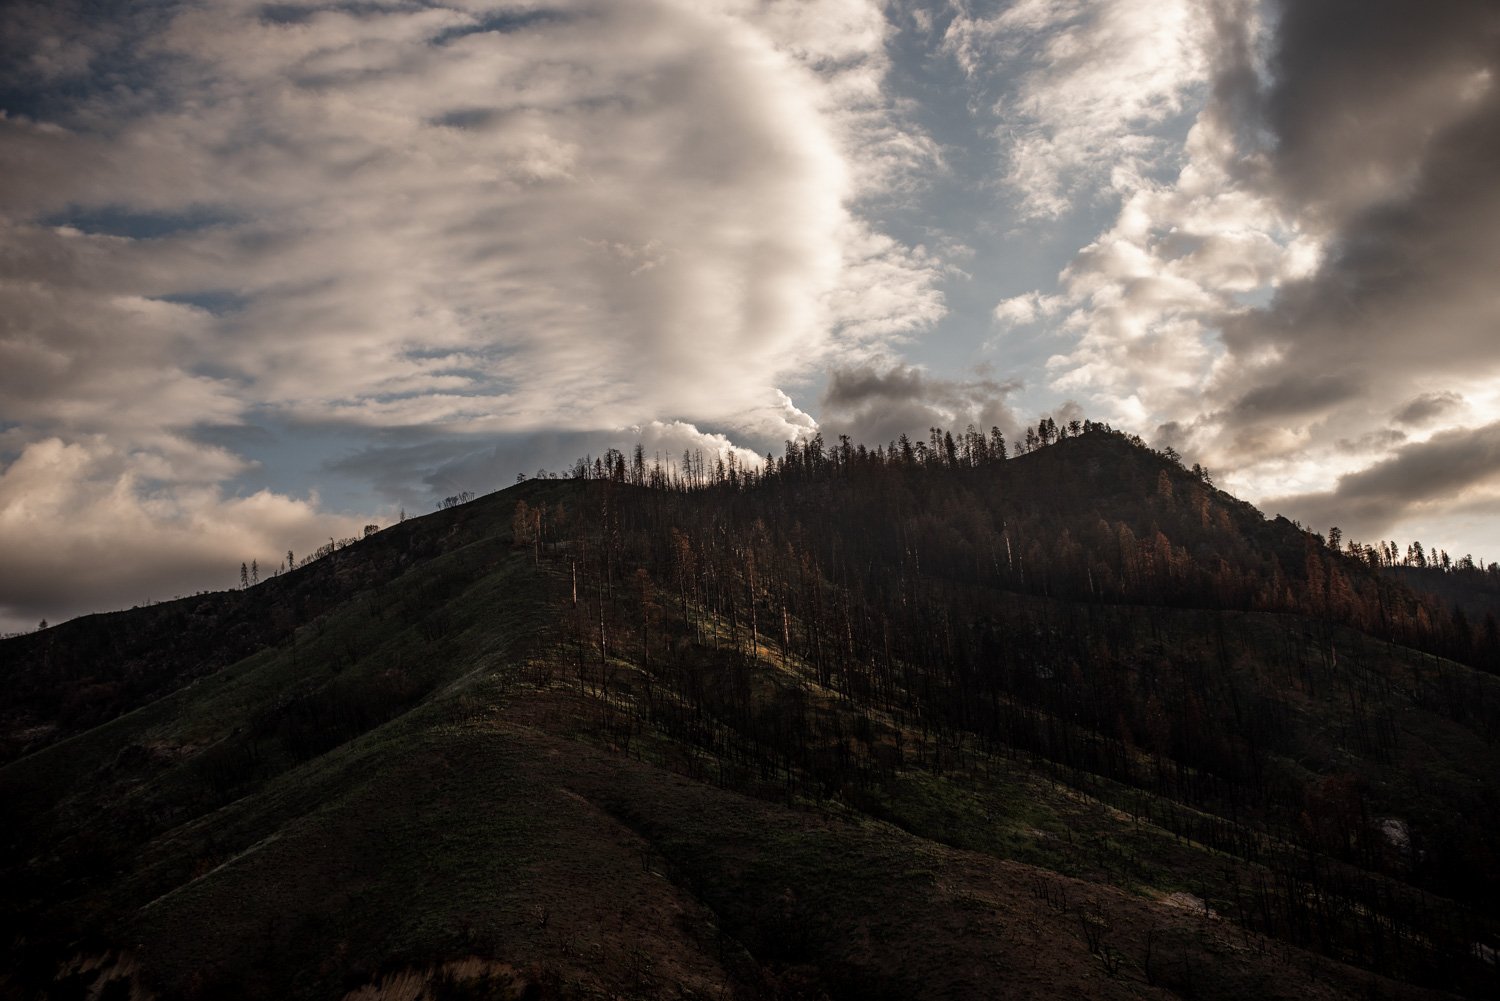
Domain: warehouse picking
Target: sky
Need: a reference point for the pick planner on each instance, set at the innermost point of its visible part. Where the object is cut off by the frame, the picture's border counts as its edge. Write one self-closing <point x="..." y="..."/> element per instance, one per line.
<point x="271" y="272"/>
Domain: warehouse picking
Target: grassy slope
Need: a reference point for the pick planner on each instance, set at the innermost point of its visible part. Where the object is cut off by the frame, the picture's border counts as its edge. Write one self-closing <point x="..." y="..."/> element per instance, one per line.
<point x="483" y="825"/>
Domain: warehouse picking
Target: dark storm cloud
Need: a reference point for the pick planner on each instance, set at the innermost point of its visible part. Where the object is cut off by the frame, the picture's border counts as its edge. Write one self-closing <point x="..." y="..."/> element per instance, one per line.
<point x="851" y="388"/>
<point x="1235" y="92"/>
<point x="878" y="405"/>
<point x="1293" y="397"/>
<point x="1427" y="406"/>
<point x="1441" y="470"/>
<point x="1412" y="269"/>
<point x="1382" y="134"/>
<point x="1358" y="84"/>
<point x="1374" y="441"/>
<point x="1386" y="117"/>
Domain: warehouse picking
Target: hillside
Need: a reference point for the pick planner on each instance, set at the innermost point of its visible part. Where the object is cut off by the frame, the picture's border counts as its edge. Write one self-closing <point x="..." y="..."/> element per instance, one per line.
<point x="917" y="723"/>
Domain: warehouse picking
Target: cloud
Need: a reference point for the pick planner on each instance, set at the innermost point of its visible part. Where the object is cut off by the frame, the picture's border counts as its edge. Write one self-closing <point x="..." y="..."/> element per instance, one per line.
<point x="533" y="223"/>
<point x="87" y="527"/>
<point x="887" y="293"/>
<point x="1403" y="294"/>
<point x="1424" y="408"/>
<point x="1372" y="442"/>
<point x="1027" y="308"/>
<point x="1361" y="90"/>
<point x="1293" y="397"/>
<point x="1101" y="77"/>
<point x="1447" y="471"/>
<point x="877" y="404"/>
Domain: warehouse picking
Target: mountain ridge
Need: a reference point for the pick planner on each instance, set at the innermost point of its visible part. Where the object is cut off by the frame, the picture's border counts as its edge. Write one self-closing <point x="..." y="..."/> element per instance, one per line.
<point x="474" y="737"/>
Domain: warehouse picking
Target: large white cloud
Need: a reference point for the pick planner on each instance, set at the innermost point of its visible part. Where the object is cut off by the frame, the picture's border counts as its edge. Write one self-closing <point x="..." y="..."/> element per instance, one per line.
<point x="579" y="217"/>
<point x="1098" y="79"/>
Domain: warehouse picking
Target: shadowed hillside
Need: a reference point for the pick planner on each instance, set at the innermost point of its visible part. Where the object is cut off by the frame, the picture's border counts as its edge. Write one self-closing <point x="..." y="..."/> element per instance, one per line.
<point x="925" y="721"/>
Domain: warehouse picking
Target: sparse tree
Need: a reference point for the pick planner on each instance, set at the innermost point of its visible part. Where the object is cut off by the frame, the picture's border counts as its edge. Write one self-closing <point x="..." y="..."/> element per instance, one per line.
<point x="526" y="527"/>
<point x="244" y="575"/>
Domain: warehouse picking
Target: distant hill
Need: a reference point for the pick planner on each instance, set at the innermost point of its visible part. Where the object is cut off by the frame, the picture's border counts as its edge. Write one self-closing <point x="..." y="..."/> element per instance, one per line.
<point x="928" y="720"/>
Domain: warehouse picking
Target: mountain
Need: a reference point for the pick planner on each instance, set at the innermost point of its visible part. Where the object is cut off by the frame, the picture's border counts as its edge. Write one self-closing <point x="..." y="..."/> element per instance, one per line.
<point x="918" y="722"/>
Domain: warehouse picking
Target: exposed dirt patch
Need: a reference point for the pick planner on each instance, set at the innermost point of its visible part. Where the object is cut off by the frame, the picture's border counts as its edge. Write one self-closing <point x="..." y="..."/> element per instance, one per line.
<point x="114" y="975"/>
<point x="499" y="981"/>
<point x="1190" y="902"/>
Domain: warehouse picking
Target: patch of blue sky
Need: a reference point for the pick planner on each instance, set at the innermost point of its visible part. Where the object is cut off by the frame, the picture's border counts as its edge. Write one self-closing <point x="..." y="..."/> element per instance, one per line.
<point x="480" y="382"/>
<point x="1259" y="298"/>
<point x="234" y="437"/>
<point x="414" y="466"/>
<point x="477" y="364"/>
<point x="218" y="302"/>
<point x="437" y="353"/>
<point x="118" y="220"/>
<point x="10" y="444"/>
<point x="119" y="66"/>
<point x="293" y="460"/>
<point x="504" y="21"/>
<point x="991" y="258"/>
<point x="43" y="104"/>
<point x="1214" y="346"/>
<point x="479" y="387"/>
<point x="965" y="211"/>
<point x="301" y="13"/>
<point x="466" y="118"/>
<point x="217" y="371"/>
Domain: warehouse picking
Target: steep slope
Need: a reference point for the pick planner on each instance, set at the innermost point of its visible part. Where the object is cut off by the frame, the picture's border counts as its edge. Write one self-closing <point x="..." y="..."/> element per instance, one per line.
<point x="62" y="681"/>
<point x="847" y="731"/>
